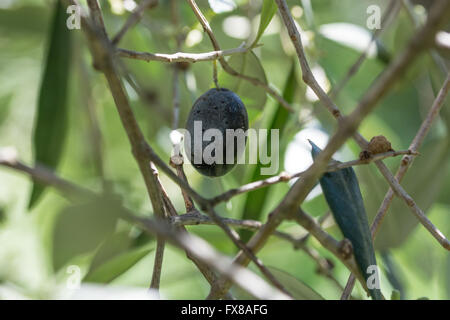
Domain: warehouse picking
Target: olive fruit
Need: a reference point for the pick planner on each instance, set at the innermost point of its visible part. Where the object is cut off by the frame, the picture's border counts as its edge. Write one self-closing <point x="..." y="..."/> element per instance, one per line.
<point x="219" y="109"/>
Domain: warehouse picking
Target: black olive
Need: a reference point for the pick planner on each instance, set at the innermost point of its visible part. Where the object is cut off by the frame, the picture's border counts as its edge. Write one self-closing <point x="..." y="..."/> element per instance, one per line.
<point x="220" y="109"/>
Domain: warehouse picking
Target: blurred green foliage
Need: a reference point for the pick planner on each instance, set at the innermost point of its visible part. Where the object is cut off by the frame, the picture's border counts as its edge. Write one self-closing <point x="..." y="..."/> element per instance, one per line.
<point x="37" y="244"/>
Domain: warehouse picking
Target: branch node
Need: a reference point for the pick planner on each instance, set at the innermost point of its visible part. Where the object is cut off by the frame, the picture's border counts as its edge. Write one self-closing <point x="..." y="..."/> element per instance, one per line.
<point x="345" y="249"/>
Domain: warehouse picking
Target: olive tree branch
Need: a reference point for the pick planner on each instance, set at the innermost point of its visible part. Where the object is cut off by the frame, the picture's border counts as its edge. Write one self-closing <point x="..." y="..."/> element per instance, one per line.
<point x="204" y="254"/>
<point x="179" y="56"/>
<point x="347" y="127"/>
<point x="419" y="43"/>
<point x="207" y="272"/>
<point x="43" y="175"/>
<point x="284" y="176"/>
<point x="73" y="192"/>
<point x="201" y="250"/>
<point x="101" y="49"/>
<point x="388" y="16"/>
<point x="404" y="166"/>
<point x="205" y="269"/>
<point x="227" y="68"/>
<point x="194" y="217"/>
<point x="133" y="19"/>
<point x="160" y="242"/>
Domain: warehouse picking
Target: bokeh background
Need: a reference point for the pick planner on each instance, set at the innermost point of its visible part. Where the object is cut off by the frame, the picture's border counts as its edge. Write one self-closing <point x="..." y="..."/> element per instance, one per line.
<point x="37" y="245"/>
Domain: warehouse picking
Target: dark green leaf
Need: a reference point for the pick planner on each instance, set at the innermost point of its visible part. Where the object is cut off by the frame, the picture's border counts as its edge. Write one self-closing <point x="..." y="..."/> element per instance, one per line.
<point x="249" y="65"/>
<point x="268" y="10"/>
<point x="80" y="229"/>
<point x="114" y="245"/>
<point x="298" y="289"/>
<point x="117" y="265"/>
<point x="255" y="200"/>
<point x="341" y="190"/>
<point x="50" y="126"/>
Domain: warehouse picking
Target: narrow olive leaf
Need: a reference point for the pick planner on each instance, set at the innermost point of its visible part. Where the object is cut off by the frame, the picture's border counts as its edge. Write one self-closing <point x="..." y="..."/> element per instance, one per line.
<point x="50" y="126"/>
<point x="341" y="190"/>
<point x="254" y="204"/>
<point x="82" y="228"/>
<point x="268" y="10"/>
<point x="117" y="266"/>
<point x="247" y="64"/>
<point x="296" y="287"/>
<point x="115" y="245"/>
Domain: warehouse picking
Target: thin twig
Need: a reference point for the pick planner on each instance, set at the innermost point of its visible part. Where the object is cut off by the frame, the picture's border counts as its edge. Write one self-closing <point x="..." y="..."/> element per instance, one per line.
<point x="8" y="158"/>
<point x="227" y="68"/>
<point x="404" y="166"/>
<point x="419" y="43"/>
<point x="388" y="16"/>
<point x="414" y="146"/>
<point x="194" y="217"/>
<point x="179" y="56"/>
<point x="97" y="17"/>
<point x="160" y="243"/>
<point x="284" y="176"/>
<point x="207" y="272"/>
<point x="41" y="174"/>
<point x="348" y="125"/>
<point x="105" y="63"/>
<point x="201" y="250"/>
<point x="134" y="18"/>
<point x="142" y="151"/>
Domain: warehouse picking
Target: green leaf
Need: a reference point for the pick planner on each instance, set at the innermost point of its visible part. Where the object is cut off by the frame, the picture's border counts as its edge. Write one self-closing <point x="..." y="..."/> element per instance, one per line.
<point x="341" y="190"/>
<point x="268" y="10"/>
<point x="249" y="65"/>
<point x="116" y="266"/>
<point x="298" y="289"/>
<point x="81" y="228"/>
<point x="254" y="204"/>
<point x="50" y="127"/>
